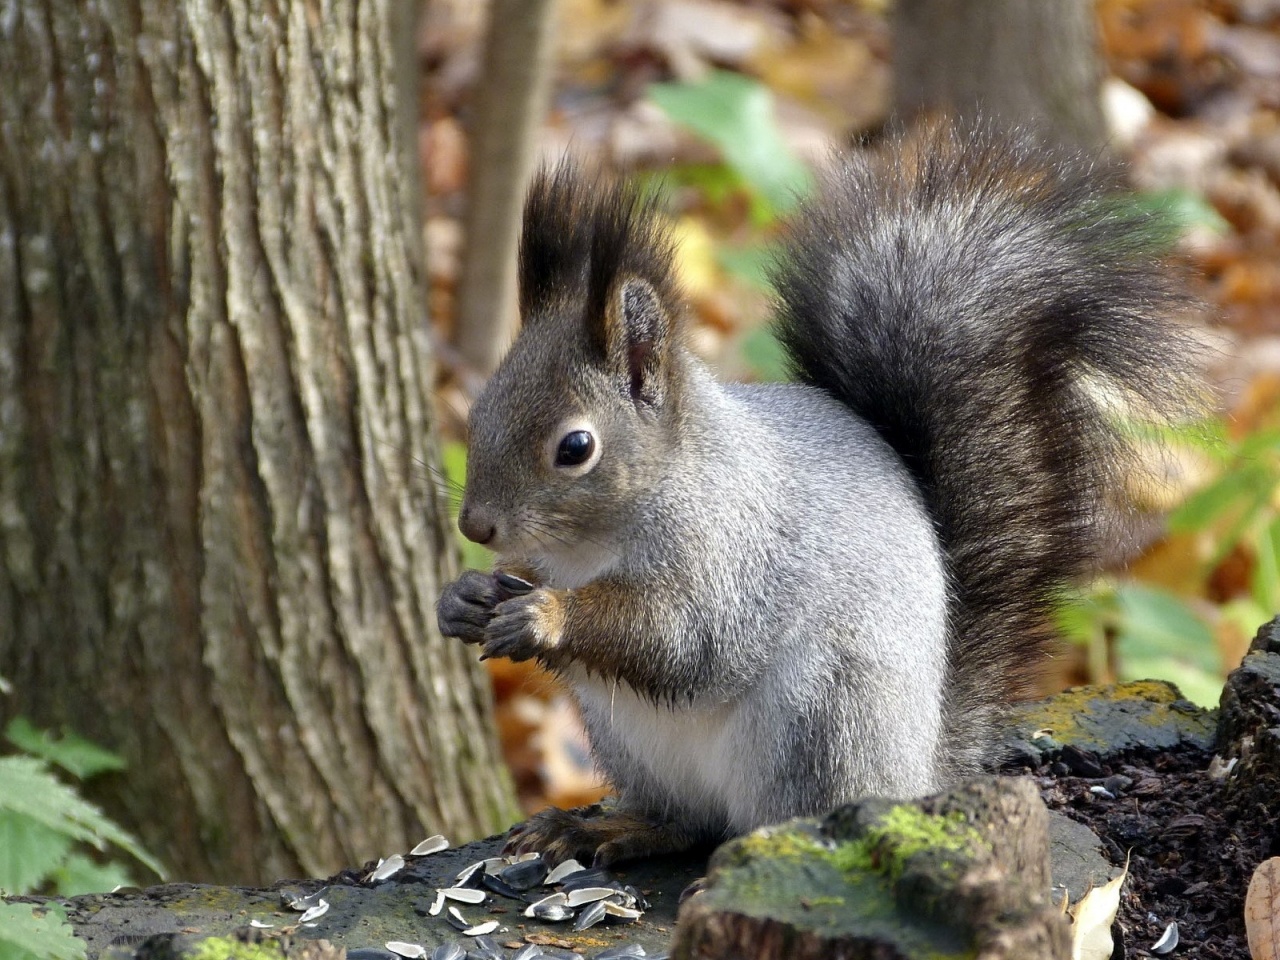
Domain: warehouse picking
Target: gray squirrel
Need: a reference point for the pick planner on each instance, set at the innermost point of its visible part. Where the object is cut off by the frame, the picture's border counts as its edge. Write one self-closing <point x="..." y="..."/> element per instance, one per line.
<point x="771" y="599"/>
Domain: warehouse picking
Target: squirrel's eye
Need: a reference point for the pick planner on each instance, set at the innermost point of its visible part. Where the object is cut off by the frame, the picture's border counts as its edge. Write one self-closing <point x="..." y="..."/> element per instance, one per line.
<point x="575" y="448"/>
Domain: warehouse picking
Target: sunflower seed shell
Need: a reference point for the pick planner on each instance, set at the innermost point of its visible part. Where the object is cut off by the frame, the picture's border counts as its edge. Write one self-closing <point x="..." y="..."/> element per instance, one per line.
<point x="319" y="910"/>
<point x="387" y="868"/>
<point x="465" y="894"/>
<point x="621" y="912"/>
<point x="525" y="874"/>
<point x="577" y="898"/>
<point x="562" y="872"/>
<point x="623" y="951"/>
<point x="590" y="916"/>
<point x="411" y="950"/>
<point x="1168" y="940"/>
<point x="430" y="845"/>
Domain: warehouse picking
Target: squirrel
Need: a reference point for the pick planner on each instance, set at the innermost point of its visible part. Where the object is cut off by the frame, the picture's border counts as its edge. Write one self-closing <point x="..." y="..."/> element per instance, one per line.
<point x="771" y="599"/>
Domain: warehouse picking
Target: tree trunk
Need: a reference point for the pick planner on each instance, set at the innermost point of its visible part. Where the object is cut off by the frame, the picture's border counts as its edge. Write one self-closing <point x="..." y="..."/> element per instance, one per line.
<point x="1033" y="63"/>
<point x="219" y="543"/>
<point x="511" y="103"/>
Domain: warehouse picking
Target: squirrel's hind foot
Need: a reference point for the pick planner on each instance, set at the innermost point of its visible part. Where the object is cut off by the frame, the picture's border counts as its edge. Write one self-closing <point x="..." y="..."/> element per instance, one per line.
<point x="598" y="834"/>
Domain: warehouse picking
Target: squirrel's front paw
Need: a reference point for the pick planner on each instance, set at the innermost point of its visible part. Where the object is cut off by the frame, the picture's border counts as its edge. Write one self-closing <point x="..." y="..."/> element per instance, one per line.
<point x="526" y="627"/>
<point x="466" y="606"/>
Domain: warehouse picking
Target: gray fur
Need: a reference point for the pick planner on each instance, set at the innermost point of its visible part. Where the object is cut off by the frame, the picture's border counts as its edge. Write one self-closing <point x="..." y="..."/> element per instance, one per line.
<point x="769" y="600"/>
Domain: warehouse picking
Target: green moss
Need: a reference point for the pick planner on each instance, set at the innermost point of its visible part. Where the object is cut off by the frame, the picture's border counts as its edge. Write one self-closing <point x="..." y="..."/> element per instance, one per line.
<point x="787" y="843"/>
<point x="228" y="948"/>
<point x="897" y="836"/>
<point x="1114" y="718"/>
<point x="793" y="875"/>
<point x="854" y="856"/>
<point x="203" y="898"/>
<point x="906" y="831"/>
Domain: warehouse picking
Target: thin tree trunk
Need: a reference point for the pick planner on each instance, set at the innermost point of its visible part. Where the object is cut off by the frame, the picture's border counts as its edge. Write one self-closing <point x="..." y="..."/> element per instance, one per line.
<point x="511" y="104"/>
<point x="1028" y="62"/>
<point x="219" y="544"/>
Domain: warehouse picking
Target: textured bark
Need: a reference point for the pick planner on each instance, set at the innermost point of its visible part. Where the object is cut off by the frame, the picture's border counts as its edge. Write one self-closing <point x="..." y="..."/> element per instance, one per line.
<point x="1028" y="63"/>
<point x="511" y="102"/>
<point x="219" y="543"/>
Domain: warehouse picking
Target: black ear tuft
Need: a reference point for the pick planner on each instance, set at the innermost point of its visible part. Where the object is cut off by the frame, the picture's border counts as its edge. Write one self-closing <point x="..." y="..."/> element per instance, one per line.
<point x="555" y="238"/>
<point x="598" y="256"/>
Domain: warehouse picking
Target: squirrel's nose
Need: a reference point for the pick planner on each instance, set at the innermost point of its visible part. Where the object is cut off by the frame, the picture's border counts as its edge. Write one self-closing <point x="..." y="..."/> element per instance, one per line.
<point x="475" y="524"/>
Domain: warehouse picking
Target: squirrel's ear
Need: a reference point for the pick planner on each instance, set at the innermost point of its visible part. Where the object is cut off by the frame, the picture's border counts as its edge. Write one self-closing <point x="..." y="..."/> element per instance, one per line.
<point x="639" y="339"/>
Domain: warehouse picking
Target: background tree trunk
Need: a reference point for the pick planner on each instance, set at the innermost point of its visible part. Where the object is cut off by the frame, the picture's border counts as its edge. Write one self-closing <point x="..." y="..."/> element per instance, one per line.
<point x="1027" y="62"/>
<point x="219" y="544"/>
<point x="511" y="103"/>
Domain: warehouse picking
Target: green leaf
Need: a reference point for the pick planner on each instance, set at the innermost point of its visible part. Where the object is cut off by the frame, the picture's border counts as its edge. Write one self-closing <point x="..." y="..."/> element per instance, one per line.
<point x="28" y="788"/>
<point x="1247" y="487"/>
<point x="28" y="934"/>
<point x="79" y="874"/>
<point x="1208" y="435"/>
<point x="1181" y="210"/>
<point x="1245" y="615"/>
<point x="1262" y="442"/>
<point x="29" y="852"/>
<point x="765" y="355"/>
<point x="77" y="756"/>
<point x="750" y="263"/>
<point x="1159" y="636"/>
<point x="453" y="457"/>
<point x="736" y="114"/>
<point x="715" y="183"/>
<point x="1266" y="569"/>
<point x="1154" y="622"/>
<point x="1081" y="615"/>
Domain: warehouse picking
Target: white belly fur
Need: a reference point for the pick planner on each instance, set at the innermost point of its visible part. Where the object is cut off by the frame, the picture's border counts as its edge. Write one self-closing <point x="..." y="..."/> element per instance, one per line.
<point x="691" y="753"/>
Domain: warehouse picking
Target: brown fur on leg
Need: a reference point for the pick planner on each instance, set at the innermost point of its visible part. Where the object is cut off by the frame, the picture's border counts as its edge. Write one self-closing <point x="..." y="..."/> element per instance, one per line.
<point x="598" y="835"/>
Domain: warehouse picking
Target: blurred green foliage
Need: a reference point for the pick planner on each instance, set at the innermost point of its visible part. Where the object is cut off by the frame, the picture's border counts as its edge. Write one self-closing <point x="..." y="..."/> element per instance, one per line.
<point x="454" y="460"/>
<point x="736" y="114"/>
<point x="31" y="933"/>
<point x="1149" y="631"/>
<point x="1181" y="210"/>
<point x="45" y="828"/>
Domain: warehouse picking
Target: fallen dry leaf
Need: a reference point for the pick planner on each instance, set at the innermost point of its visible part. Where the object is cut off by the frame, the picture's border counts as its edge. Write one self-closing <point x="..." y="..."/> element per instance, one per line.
<point x="1091" y="920"/>
<point x="1262" y="911"/>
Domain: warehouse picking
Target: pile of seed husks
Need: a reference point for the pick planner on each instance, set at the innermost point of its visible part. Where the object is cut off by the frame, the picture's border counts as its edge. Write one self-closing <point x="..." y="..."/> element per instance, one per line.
<point x="582" y="898"/>
<point x="1192" y="843"/>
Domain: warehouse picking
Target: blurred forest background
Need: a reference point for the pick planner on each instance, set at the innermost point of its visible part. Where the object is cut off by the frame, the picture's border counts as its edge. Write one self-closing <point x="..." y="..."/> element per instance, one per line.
<point x="235" y="364"/>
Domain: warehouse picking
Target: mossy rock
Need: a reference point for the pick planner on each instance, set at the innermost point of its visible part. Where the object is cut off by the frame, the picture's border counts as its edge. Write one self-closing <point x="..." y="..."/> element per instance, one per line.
<point x="958" y="875"/>
<point x="1110" y="720"/>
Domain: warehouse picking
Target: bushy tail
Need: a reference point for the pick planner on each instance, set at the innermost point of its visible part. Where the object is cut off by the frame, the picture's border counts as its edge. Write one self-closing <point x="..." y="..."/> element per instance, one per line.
<point x="992" y="312"/>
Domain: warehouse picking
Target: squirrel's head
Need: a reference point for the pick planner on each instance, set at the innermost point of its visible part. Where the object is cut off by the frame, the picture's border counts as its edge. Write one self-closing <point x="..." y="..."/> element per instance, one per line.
<point x="581" y="417"/>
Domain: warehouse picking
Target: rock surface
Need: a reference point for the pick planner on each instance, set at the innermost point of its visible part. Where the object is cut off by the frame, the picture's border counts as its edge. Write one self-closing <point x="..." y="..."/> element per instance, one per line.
<point x="368" y="916"/>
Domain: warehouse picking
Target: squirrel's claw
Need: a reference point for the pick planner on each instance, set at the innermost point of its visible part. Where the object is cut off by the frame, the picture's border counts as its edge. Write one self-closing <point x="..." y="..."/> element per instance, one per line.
<point x="466" y="606"/>
<point x="600" y="836"/>
<point x="525" y="627"/>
